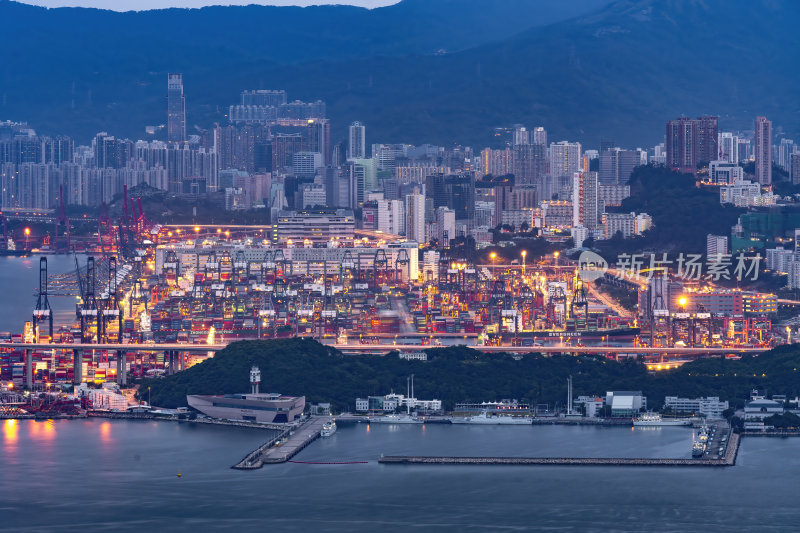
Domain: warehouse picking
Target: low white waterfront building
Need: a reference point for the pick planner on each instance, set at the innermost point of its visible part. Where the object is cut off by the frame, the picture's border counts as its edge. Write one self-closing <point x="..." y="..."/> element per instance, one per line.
<point x="710" y="407"/>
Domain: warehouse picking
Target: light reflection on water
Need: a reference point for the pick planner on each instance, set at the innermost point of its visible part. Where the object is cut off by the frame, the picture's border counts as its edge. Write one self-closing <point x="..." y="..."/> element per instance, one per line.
<point x="10" y="435"/>
<point x="105" y="433"/>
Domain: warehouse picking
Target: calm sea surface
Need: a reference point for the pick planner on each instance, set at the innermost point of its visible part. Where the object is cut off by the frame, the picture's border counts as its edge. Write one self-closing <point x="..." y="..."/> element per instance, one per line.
<point x="98" y="475"/>
<point x="19" y="279"/>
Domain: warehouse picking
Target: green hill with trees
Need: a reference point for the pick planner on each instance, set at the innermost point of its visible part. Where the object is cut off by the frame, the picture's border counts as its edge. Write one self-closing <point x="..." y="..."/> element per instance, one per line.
<point x="323" y="374"/>
<point x="683" y="213"/>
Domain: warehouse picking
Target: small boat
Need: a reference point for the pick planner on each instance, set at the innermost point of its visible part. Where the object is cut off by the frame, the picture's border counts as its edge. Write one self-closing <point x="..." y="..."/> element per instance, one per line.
<point x="700" y="443"/>
<point x="328" y="429"/>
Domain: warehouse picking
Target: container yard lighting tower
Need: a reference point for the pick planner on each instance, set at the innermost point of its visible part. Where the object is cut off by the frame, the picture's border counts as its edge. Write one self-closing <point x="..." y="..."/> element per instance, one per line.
<point x="255" y="379"/>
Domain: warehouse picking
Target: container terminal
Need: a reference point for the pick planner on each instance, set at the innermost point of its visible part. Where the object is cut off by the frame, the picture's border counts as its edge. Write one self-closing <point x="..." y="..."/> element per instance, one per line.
<point x="144" y="283"/>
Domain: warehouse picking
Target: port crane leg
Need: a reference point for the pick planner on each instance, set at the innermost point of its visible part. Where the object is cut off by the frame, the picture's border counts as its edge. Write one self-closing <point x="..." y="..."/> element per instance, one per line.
<point x="28" y="369"/>
<point x="77" y="366"/>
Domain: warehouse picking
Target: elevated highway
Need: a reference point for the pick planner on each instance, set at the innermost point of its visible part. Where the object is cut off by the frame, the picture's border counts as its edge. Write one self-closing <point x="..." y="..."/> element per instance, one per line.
<point x="606" y="350"/>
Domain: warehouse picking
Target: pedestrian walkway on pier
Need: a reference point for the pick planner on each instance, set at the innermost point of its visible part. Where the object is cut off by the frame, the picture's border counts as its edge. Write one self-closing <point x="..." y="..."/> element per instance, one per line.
<point x="285" y="446"/>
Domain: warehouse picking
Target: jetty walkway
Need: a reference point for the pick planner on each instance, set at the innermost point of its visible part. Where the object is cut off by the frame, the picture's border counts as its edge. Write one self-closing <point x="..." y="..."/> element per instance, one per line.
<point x="283" y="447"/>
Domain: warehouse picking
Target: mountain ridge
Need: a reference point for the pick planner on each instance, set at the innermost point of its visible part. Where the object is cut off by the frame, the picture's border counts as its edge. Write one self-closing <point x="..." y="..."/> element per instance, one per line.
<point x="618" y="72"/>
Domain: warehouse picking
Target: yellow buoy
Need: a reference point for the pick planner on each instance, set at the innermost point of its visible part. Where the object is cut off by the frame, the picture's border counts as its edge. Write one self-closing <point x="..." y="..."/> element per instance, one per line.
<point x="179" y="474"/>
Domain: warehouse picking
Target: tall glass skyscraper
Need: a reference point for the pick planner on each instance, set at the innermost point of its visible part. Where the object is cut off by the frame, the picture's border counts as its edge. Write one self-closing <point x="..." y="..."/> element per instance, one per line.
<point x="176" y="109"/>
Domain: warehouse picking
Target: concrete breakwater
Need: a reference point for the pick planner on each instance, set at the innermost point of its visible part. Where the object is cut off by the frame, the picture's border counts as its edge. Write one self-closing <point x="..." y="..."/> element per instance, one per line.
<point x="729" y="459"/>
<point x="582" y="461"/>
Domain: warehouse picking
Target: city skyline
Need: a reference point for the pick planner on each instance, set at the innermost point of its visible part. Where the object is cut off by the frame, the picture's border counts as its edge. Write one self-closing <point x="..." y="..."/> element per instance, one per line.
<point x="321" y="251"/>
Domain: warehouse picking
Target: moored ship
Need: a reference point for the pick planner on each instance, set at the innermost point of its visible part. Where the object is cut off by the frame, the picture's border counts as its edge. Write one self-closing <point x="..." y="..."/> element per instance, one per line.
<point x="328" y="429"/>
<point x="655" y="419"/>
<point x="498" y="420"/>
<point x="396" y="419"/>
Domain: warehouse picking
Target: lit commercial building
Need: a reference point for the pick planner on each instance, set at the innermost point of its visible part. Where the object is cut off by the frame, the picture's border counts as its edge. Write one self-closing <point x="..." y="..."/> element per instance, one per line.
<point x="720" y="302"/>
<point x="319" y="227"/>
<point x="759" y="304"/>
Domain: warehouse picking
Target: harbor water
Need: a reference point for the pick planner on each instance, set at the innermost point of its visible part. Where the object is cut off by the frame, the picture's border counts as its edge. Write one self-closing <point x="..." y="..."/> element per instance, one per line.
<point x="19" y="281"/>
<point x="114" y="475"/>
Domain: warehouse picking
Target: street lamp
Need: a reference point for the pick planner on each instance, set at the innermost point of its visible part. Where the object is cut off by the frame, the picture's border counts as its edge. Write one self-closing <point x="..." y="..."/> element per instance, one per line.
<point x="27" y="234"/>
<point x="493" y="256"/>
<point x="682" y="301"/>
<point x="555" y="256"/>
<point x="524" y="253"/>
<point x="788" y="335"/>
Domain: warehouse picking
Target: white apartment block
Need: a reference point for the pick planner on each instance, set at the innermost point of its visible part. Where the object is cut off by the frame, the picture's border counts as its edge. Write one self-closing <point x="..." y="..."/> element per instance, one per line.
<point x="745" y="194"/>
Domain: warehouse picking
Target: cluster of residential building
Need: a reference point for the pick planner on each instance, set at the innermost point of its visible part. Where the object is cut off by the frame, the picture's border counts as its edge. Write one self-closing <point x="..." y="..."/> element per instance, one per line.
<point x="278" y="155"/>
<point x="786" y="260"/>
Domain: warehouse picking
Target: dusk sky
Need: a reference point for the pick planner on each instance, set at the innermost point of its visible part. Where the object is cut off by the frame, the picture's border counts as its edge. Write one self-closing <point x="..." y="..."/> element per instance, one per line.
<point x="128" y="5"/>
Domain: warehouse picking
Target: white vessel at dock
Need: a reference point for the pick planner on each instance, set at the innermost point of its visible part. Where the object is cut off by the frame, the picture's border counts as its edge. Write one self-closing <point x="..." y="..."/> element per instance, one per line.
<point x="655" y="419"/>
<point x="328" y="429"/>
<point x="484" y="418"/>
<point x="395" y="419"/>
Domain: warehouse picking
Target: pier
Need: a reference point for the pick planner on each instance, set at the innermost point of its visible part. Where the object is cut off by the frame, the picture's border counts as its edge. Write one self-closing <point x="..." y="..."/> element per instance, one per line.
<point x="294" y="440"/>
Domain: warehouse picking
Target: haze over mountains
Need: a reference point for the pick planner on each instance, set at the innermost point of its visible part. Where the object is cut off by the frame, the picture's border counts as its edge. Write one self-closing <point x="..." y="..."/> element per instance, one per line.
<point x="436" y="71"/>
